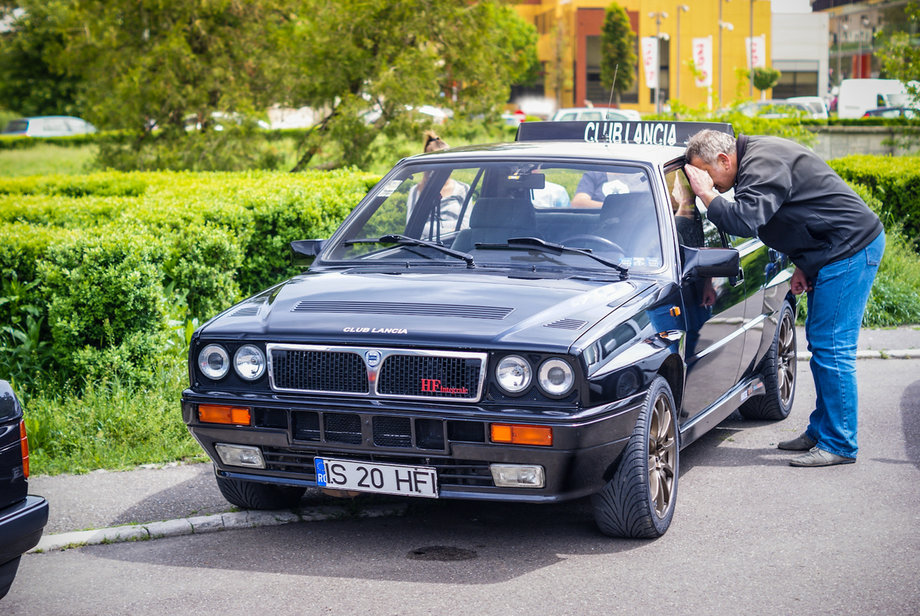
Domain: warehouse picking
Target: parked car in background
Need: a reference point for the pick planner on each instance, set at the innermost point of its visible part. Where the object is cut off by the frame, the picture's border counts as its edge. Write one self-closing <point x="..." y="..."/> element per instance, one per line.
<point x="48" y="126"/>
<point x="531" y="322"/>
<point x="22" y="517"/>
<point x="816" y="105"/>
<point x="856" y="96"/>
<point x="581" y="114"/>
<point x="893" y="112"/>
<point x="218" y="120"/>
<point x="776" y="108"/>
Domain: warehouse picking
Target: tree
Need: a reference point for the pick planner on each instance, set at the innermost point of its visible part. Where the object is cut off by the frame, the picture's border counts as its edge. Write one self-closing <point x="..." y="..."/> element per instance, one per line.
<point x="153" y="62"/>
<point x="368" y="64"/>
<point x="765" y="78"/>
<point x="29" y="84"/>
<point x="618" y="51"/>
<point x="900" y="52"/>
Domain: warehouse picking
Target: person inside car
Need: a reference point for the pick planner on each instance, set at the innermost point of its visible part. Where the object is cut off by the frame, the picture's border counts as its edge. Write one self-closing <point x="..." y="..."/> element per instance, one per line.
<point x="453" y="192"/>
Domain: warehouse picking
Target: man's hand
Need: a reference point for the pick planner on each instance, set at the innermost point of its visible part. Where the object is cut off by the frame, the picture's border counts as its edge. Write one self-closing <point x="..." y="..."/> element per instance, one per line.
<point x="701" y="183"/>
<point x="799" y="282"/>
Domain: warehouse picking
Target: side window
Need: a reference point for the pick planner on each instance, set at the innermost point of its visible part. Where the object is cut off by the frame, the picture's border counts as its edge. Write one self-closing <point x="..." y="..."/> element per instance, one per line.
<point x="688" y="216"/>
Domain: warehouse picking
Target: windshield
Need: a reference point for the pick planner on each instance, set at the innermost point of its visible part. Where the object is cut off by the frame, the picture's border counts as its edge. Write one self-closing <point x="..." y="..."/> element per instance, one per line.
<point x="473" y="210"/>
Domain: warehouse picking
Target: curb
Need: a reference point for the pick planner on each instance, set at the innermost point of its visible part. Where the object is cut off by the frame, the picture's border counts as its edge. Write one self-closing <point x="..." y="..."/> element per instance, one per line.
<point x="206" y="524"/>
<point x="883" y="354"/>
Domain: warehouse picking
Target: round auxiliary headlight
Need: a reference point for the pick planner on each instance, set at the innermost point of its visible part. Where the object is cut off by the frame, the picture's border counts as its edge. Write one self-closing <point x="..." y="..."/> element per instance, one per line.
<point x="249" y="362"/>
<point x="214" y="362"/>
<point x="513" y="374"/>
<point x="556" y="377"/>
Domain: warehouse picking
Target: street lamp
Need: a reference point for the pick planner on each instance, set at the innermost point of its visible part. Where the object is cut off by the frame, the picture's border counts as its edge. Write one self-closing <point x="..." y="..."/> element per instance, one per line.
<point x="680" y="9"/>
<point x="751" y="55"/>
<point x="840" y="25"/>
<point x="658" y="15"/>
<point x="722" y="25"/>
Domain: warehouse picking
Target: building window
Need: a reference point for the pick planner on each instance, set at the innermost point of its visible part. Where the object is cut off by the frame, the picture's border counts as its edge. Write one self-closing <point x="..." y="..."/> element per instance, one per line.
<point x="796" y="83"/>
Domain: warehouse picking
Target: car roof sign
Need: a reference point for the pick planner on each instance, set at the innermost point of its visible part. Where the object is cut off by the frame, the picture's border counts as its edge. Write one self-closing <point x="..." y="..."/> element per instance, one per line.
<point x="610" y="131"/>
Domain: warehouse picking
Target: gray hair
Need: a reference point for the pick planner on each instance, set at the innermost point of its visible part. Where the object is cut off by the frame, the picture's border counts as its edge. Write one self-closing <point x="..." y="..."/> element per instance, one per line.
<point x="708" y="144"/>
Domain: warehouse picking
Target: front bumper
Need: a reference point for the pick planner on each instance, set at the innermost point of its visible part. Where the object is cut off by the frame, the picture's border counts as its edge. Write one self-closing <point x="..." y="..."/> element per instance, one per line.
<point x="452" y="439"/>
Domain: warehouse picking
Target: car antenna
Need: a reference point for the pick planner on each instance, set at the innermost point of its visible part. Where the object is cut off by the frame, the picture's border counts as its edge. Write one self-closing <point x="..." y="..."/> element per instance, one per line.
<point x="612" y="85"/>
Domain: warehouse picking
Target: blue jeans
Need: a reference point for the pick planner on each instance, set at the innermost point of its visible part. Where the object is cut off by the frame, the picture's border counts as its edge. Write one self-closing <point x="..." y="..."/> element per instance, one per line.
<point x="835" y="311"/>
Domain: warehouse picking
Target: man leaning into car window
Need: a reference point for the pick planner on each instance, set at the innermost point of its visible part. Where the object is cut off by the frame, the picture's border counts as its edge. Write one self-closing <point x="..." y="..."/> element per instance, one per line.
<point x="793" y="201"/>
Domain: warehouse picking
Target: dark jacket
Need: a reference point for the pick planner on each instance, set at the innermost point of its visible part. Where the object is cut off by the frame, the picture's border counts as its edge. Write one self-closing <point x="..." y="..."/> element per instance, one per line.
<point x="786" y="195"/>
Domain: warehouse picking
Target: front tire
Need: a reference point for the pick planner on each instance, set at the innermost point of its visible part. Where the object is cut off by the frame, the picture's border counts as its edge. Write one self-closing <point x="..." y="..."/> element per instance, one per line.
<point x="638" y="501"/>
<point x="778" y="373"/>
<point x="251" y="495"/>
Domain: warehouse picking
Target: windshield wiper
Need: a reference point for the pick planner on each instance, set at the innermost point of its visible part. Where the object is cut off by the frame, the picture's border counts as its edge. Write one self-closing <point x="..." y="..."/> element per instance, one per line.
<point x="405" y="240"/>
<point x="533" y="243"/>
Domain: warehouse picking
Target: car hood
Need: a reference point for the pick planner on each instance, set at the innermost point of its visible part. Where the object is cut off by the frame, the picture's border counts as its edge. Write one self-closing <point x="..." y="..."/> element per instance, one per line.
<point x="462" y="308"/>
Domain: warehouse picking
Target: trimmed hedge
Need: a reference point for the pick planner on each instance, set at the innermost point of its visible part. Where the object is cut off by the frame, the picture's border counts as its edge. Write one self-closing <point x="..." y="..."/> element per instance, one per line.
<point x="104" y="273"/>
<point x="891" y="180"/>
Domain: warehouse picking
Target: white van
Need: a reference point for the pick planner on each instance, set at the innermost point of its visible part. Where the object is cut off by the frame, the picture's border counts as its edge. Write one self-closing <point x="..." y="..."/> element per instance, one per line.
<point x="857" y="96"/>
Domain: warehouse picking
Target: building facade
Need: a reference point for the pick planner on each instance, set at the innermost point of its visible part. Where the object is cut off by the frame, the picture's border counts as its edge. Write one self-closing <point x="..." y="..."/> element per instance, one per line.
<point x="704" y="50"/>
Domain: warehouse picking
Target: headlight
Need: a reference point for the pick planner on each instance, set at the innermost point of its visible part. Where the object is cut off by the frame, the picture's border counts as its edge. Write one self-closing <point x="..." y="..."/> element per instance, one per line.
<point x="249" y="362"/>
<point x="214" y="362"/>
<point x="513" y="374"/>
<point x="556" y="377"/>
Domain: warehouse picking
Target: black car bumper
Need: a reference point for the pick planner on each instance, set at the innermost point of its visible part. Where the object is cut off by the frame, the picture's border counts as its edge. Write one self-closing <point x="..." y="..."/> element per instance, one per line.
<point x="21" y="527"/>
<point x="455" y="441"/>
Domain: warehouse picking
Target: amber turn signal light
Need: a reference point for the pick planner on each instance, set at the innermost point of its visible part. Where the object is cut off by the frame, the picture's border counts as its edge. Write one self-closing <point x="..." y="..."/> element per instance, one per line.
<point x="24" y="448"/>
<point x="520" y="434"/>
<point x="219" y="413"/>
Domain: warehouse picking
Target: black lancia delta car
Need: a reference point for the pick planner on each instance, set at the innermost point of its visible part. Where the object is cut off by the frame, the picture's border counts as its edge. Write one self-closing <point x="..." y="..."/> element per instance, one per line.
<point x="533" y="321"/>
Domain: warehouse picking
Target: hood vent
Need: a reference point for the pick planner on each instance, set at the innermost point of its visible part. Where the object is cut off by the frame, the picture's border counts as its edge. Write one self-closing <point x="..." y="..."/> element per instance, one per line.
<point x="247" y="311"/>
<point x="566" y="324"/>
<point x="401" y="308"/>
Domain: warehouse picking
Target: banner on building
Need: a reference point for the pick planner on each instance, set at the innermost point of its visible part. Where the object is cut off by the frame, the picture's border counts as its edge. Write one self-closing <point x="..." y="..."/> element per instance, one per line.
<point x="756" y="51"/>
<point x="650" y="60"/>
<point x="702" y="59"/>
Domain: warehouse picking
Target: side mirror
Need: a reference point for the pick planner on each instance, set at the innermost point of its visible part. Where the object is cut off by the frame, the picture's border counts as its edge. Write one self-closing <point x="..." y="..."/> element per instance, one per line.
<point x="304" y="251"/>
<point x="710" y="262"/>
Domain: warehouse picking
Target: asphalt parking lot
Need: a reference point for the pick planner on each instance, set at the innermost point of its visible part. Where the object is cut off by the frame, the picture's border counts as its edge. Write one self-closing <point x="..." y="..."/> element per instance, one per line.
<point x="750" y="534"/>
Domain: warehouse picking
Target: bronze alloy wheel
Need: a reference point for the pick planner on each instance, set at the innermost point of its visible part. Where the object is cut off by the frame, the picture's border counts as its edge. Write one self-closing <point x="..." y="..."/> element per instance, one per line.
<point x="777" y="369"/>
<point x="786" y="359"/>
<point x="639" y="498"/>
<point x="662" y="454"/>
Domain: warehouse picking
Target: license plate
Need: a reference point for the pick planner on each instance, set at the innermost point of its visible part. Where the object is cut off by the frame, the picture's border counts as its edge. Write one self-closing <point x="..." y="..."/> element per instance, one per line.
<point x="396" y="479"/>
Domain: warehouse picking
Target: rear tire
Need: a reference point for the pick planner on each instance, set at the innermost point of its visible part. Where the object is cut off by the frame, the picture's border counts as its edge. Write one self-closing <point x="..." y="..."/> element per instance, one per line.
<point x="251" y="495"/>
<point x="778" y="373"/>
<point x="638" y="501"/>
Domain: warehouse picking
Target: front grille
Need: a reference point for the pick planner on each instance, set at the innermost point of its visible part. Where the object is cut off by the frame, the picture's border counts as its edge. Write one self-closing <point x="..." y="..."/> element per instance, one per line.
<point x="312" y="370"/>
<point x="392" y="431"/>
<point x="299" y="464"/>
<point x="430" y="377"/>
<point x="386" y="431"/>
<point x="343" y="428"/>
<point x="370" y="371"/>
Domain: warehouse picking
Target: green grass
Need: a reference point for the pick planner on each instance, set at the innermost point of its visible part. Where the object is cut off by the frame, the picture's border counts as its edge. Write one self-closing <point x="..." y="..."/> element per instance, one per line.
<point x="110" y="426"/>
<point x="46" y="159"/>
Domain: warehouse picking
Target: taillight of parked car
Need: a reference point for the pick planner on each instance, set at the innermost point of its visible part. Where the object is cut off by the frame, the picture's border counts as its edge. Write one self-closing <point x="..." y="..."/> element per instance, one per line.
<point x="24" y="445"/>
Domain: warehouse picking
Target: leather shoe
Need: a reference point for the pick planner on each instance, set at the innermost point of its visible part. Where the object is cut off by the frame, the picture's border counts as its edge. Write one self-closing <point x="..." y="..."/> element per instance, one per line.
<point x="819" y="457"/>
<point x="802" y="442"/>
